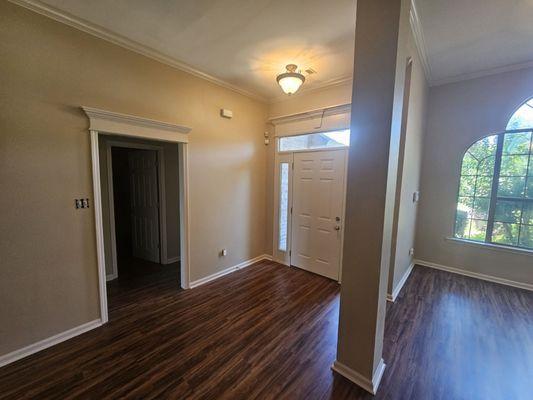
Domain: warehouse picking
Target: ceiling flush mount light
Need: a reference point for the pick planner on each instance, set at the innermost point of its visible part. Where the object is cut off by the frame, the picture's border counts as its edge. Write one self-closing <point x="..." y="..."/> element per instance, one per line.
<point x="291" y="80"/>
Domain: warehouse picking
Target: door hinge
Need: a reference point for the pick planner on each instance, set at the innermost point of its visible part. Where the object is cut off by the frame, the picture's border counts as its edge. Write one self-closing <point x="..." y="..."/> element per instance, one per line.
<point x="290" y="253"/>
<point x="291" y="209"/>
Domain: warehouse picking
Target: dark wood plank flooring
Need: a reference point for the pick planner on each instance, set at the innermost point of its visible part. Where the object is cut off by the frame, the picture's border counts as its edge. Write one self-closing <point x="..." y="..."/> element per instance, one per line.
<point x="270" y="332"/>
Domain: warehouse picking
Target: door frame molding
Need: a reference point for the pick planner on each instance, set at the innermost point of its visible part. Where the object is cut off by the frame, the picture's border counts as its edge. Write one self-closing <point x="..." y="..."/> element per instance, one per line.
<point x="162" y="209"/>
<point x="108" y="122"/>
<point x="288" y="156"/>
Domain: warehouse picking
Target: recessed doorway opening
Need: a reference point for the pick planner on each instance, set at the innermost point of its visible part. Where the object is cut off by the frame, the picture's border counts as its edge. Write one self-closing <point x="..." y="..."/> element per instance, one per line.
<point x="141" y="216"/>
<point x="134" y="129"/>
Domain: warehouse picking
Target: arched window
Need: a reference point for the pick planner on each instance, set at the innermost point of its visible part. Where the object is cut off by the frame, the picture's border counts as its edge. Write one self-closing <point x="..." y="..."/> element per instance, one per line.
<point x="495" y="201"/>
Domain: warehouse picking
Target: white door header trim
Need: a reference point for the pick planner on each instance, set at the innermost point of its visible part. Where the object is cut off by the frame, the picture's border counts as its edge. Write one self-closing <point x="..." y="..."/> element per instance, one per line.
<point x="105" y="121"/>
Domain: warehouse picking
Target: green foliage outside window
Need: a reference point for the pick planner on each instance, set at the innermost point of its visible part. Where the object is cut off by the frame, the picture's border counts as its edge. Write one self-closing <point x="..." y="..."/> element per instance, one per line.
<point x="499" y="212"/>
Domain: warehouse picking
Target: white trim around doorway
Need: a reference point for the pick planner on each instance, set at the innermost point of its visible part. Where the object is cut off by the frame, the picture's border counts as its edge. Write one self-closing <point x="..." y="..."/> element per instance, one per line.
<point x="284" y="257"/>
<point x="107" y="122"/>
<point x="162" y="209"/>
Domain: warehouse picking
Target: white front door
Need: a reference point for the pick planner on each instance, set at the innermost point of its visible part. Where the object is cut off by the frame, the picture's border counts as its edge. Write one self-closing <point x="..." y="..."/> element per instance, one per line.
<point x="144" y="204"/>
<point x="318" y="194"/>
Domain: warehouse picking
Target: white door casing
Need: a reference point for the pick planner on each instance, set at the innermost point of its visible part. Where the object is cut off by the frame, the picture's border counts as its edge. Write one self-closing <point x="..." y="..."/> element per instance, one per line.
<point x="102" y="121"/>
<point x="318" y="211"/>
<point x="144" y="204"/>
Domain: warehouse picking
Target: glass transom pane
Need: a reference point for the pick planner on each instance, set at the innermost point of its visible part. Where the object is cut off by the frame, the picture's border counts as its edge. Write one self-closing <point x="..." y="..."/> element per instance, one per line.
<point x="322" y="140"/>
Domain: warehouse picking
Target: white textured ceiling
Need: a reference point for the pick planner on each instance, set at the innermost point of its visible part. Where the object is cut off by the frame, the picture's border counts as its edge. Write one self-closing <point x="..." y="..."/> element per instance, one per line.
<point x="466" y="37"/>
<point x="246" y="43"/>
<point x="243" y="42"/>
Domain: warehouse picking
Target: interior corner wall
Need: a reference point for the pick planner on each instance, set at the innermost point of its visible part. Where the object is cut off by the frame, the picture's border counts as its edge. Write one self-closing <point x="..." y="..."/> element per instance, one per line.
<point x="48" y="269"/>
<point x="170" y="154"/>
<point x="295" y="104"/>
<point x="410" y="160"/>
<point x="460" y="114"/>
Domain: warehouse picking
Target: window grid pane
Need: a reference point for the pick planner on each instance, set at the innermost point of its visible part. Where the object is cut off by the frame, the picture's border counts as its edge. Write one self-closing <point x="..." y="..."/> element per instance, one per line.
<point x="511" y="218"/>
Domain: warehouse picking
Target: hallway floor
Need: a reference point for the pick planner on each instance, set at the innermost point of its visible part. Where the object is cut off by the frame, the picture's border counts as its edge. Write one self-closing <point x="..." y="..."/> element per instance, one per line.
<point x="139" y="279"/>
<point x="270" y="332"/>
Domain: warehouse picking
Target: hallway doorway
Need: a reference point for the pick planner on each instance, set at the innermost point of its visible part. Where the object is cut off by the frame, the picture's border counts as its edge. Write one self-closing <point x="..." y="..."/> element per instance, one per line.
<point x="143" y="243"/>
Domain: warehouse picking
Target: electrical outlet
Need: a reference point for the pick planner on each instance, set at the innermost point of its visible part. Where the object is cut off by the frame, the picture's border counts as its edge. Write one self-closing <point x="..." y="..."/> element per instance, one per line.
<point x="223" y="253"/>
<point x="411" y="251"/>
<point x="416" y="196"/>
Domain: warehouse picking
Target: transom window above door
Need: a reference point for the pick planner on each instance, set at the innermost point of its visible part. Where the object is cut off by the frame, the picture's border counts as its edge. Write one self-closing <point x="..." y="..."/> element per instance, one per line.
<point x="495" y="200"/>
<point x="313" y="141"/>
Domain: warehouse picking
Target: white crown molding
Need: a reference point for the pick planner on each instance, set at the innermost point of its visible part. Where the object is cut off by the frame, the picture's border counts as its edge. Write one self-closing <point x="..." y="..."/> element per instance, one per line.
<point x="122" y="41"/>
<point x="481" y="74"/>
<point x="420" y="42"/>
<point x="130" y="125"/>
<point x="330" y="83"/>
<point x="102" y="33"/>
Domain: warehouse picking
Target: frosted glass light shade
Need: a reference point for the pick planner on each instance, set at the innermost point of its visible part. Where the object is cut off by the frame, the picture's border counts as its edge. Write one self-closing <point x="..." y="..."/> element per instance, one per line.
<point x="291" y="80"/>
<point x="290" y="84"/>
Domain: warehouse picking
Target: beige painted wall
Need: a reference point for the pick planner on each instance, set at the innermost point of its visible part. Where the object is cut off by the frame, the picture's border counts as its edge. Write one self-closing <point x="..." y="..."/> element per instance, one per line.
<point x="48" y="250"/>
<point x="410" y="164"/>
<point x="170" y="154"/>
<point x="460" y="114"/>
<point x="312" y="100"/>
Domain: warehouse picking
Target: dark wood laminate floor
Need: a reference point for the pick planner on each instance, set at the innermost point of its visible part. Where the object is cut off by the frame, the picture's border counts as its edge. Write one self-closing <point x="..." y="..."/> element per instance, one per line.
<point x="270" y="332"/>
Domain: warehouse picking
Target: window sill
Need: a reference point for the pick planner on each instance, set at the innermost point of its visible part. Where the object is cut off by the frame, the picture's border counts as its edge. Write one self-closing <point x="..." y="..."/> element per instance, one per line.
<point x="492" y="246"/>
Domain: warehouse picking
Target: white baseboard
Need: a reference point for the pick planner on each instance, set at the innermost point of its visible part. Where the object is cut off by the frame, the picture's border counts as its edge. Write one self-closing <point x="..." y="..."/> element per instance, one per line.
<point x="396" y="291"/>
<point x="173" y="260"/>
<point x="111" y="277"/>
<point x="229" y="270"/>
<point x="371" y="386"/>
<point x="48" y="342"/>
<point x="471" y="274"/>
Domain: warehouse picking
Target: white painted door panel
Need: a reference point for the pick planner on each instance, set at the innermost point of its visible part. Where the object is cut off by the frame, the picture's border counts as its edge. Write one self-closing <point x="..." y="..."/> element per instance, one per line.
<point x="318" y="190"/>
<point x="144" y="204"/>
